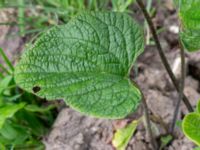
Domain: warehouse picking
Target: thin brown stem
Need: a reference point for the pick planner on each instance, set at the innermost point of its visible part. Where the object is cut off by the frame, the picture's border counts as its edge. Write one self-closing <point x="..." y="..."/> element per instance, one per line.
<point x="181" y="87"/>
<point x="147" y="118"/>
<point x="162" y="55"/>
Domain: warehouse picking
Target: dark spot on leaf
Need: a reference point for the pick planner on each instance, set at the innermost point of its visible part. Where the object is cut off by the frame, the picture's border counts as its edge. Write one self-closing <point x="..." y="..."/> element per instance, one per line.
<point x="36" y="89"/>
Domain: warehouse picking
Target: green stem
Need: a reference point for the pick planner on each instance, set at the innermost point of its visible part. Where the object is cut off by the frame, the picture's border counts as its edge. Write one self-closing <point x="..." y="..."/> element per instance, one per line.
<point x="162" y="55"/>
<point x="7" y="61"/>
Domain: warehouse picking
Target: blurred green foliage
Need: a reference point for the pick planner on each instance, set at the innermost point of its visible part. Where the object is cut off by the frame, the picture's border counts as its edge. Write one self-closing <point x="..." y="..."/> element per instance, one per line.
<point x="38" y="15"/>
<point x="24" y="118"/>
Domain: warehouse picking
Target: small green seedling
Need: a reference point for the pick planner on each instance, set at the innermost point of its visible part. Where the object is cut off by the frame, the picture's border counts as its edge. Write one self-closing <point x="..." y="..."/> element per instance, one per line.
<point x="165" y="140"/>
<point x="191" y="125"/>
<point x="122" y="136"/>
<point x="87" y="63"/>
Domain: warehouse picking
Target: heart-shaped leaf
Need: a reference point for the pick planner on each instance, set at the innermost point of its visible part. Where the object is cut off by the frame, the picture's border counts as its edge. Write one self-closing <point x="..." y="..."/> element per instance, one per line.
<point x="191" y="127"/>
<point x="87" y="63"/>
<point x="189" y="13"/>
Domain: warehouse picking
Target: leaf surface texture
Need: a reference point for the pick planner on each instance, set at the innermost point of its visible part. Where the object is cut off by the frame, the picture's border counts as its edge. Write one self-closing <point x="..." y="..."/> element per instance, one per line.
<point x="189" y="12"/>
<point x="86" y="62"/>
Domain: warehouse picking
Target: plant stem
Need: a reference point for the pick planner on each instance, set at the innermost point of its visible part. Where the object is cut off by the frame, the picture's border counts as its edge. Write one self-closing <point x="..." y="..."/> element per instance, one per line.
<point x="147" y="118"/>
<point x="148" y="8"/>
<point x="162" y="55"/>
<point x="181" y="88"/>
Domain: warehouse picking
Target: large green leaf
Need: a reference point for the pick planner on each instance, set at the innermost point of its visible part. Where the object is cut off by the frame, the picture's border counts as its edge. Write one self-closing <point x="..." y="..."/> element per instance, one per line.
<point x="191" y="127"/>
<point x="189" y="12"/>
<point x="86" y="62"/>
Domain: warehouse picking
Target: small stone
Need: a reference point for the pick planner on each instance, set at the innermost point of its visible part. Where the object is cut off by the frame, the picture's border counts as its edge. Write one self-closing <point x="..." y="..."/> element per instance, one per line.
<point x="174" y="29"/>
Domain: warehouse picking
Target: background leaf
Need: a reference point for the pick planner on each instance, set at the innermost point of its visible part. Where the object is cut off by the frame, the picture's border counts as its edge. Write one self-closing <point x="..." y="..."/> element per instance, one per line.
<point x="189" y="13"/>
<point x="123" y="136"/>
<point x="8" y="111"/>
<point x="86" y="62"/>
<point x="190" y="39"/>
<point x="191" y="127"/>
<point x="198" y="107"/>
<point x="4" y="83"/>
<point x="35" y="108"/>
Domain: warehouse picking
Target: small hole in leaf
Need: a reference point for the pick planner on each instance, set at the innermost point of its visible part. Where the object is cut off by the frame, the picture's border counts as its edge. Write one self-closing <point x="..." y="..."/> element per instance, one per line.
<point x="36" y="89"/>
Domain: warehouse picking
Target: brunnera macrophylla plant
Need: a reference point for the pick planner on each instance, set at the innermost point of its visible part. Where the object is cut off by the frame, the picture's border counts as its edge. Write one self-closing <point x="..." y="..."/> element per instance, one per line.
<point x="87" y="63"/>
